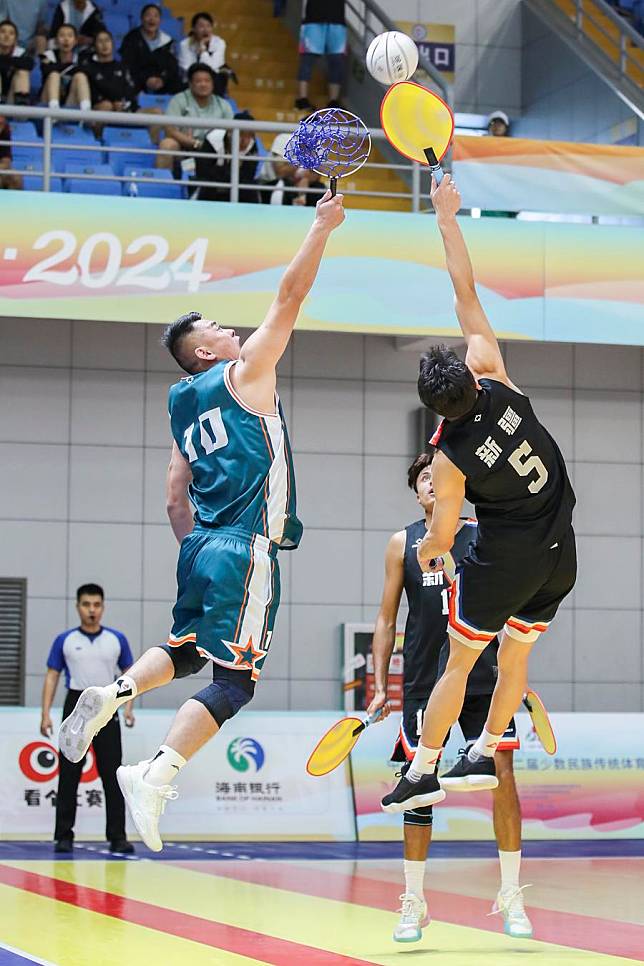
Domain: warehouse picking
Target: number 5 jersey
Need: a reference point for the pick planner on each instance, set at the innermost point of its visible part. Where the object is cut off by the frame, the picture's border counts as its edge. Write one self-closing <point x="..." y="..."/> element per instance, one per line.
<point x="241" y="461"/>
<point x="515" y="474"/>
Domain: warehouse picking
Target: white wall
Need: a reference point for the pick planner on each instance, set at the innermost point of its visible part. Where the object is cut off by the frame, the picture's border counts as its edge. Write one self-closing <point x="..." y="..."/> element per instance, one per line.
<point x="488" y="48"/>
<point x="84" y="447"/>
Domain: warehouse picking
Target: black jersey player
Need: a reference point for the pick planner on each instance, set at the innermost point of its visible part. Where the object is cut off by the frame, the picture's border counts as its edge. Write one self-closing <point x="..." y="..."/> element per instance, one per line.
<point x="493" y="450"/>
<point x="425" y="652"/>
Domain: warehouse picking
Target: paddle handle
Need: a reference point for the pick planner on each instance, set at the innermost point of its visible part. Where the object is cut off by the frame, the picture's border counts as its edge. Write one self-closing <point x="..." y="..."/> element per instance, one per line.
<point x="368" y="721"/>
<point x="333" y="186"/>
<point x="434" y="166"/>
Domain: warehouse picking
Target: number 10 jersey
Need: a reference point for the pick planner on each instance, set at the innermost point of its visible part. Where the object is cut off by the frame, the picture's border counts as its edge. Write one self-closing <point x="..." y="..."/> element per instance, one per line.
<point x="241" y="461"/>
<point x="515" y="474"/>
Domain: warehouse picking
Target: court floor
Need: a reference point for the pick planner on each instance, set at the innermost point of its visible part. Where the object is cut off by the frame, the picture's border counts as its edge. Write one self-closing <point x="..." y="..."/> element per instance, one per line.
<point x="314" y="904"/>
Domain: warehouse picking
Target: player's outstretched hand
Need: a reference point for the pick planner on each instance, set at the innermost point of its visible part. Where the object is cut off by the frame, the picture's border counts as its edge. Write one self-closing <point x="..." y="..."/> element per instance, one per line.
<point x="330" y="211"/>
<point x="428" y="564"/>
<point x="445" y="197"/>
<point x="379" y="701"/>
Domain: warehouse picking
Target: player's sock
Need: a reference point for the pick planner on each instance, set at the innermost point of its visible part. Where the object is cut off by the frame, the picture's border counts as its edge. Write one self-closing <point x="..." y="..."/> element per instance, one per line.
<point x="424" y="763"/>
<point x="484" y="746"/>
<point x="124" y="689"/>
<point x="165" y="766"/>
<point x="415" y="877"/>
<point x="510" y="868"/>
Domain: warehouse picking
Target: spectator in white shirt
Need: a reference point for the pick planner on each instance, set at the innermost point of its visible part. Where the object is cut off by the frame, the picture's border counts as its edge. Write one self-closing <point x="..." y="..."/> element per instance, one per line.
<point x="203" y="46"/>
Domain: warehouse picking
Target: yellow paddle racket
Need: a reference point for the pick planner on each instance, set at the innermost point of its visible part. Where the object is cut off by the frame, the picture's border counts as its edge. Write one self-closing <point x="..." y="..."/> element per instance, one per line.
<point x="418" y="123"/>
<point x="540" y="721"/>
<point x="337" y="744"/>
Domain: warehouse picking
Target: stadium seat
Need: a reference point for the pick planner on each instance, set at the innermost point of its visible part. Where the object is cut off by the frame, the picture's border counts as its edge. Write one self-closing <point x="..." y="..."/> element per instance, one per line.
<point x="154" y="100"/>
<point x="86" y="186"/>
<point x="173" y="26"/>
<point x="68" y="143"/>
<point x="167" y="187"/>
<point x="24" y="131"/>
<point x="129" y="137"/>
<point x="32" y="156"/>
<point x="33" y="182"/>
<point x="117" y="22"/>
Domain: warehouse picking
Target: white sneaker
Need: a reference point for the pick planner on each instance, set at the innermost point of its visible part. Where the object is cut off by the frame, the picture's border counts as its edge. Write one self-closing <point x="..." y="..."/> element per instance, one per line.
<point x="146" y="802"/>
<point x="93" y="710"/>
<point x="413" y="918"/>
<point x="510" y="904"/>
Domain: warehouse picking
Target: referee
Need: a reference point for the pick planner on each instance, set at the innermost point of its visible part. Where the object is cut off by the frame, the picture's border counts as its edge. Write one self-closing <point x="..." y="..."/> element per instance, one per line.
<point x="90" y="655"/>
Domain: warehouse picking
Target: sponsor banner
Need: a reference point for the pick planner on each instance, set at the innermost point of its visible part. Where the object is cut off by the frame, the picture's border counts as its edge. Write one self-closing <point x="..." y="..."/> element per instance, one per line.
<point x="593" y="788"/>
<point x="518" y="174"/>
<point x="248" y="783"/>
<point x="143" y="260"/>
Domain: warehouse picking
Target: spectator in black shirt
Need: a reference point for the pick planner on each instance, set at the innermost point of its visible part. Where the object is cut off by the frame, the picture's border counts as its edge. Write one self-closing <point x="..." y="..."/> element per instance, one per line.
<point x="64" y="79"/>
<point x="147" y="52"/>
<point x="111" y="86"/>
<point x="211" y="166"/>
<point x="15" y="65"/>
<point x="323" y="31"/>
<point x="81" y="14"/>
<point x="281" y="174"/>
<point x="7" y="180"/>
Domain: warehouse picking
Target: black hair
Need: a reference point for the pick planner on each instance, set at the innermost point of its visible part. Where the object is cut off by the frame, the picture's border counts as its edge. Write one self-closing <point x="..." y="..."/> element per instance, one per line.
<point x="420" y="463"/>
<point x="197" y="67"/>
<point x="201" y="16"/>
<point x="104" y="30"/>
<point x="70" y="26"/>
<point x="9" y="23"/>
<point x="148" y="6"/>
<point x="445" y="384"/>
<point x="172" y="339"/>
<point x="91" y="590"/>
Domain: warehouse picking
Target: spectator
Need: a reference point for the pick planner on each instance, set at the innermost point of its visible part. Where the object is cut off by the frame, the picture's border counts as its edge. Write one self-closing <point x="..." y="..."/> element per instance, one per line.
<point x="203" y="46"/>
<point x="323" y="31"/>
<point x="147" y="52"/>
<point x="15" y="65"/>
<point x="64" y="82"/>
<point x="281" y="174"/>
<point x="81" y="14"/>
<point x="211" y="166"/>
<point x="91" y="655"/>
<point x="198" y="101"/>
<point x="111" y="87"/>
<point x="498" y="124"/>
<point x="30" y="17"/>
<point x="13" y="181"/>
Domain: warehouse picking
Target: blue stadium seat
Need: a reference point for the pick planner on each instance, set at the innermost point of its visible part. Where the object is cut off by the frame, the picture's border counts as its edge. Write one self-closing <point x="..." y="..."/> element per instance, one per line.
<point x="68" y="141"/>
<point x="24" y="131"/>
<point x="117" y="22"/>
<point x="85" y="186"/>
<point x="129" y="137"/>
<point x="32" y="182"/>
<point x="173" y="26"/>
<point x="32" y="156"/>
<point x="167" y="187"/>
<point x="154" y="100"/>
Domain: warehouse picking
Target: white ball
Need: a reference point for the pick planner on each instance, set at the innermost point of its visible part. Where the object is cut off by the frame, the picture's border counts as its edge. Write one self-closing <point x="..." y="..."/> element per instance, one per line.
<point x="392" y="57"/>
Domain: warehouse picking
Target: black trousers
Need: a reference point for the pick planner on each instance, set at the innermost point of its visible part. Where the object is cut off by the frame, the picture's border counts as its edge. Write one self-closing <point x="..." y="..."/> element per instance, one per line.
<point x="107" y="749"/>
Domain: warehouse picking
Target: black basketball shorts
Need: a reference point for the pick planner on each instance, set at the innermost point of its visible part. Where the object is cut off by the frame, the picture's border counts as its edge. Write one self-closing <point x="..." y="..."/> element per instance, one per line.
<point x="518" y="595"/>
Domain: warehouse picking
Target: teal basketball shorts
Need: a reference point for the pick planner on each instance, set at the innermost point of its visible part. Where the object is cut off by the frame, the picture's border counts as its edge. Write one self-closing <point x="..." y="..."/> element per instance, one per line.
<point x="228" y="592"/>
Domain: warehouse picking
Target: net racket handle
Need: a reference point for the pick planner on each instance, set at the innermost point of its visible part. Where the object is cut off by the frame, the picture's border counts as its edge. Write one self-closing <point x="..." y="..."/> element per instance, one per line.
<point x="333" y="185"/>
<point x="370" y="720"/>
<point x="434" y="165"/>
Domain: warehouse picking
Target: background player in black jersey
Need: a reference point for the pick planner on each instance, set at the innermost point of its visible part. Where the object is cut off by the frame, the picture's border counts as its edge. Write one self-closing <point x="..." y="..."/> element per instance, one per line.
<point x="493" y="450"/>
<point x="425" y="652"/>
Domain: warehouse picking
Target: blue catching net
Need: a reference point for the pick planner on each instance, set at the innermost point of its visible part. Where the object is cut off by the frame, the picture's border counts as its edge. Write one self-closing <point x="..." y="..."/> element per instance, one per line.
<point x="333" y="142"/>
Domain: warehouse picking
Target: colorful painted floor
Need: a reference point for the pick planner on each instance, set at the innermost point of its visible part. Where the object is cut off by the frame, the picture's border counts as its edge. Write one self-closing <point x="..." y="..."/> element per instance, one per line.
<point x="314" y="905"/>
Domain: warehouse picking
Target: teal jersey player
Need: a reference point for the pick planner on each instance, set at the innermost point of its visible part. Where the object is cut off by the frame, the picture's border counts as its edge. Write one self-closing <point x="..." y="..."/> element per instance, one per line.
<point x="230" y="496"/>
<point x="241" y="462"/>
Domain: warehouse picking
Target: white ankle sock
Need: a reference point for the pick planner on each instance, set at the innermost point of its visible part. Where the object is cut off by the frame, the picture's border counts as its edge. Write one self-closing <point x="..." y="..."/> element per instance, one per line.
<point x="85" y="105"/>
<point x="124" y="689"/>
<point x="510" y="868"/>
<point x="415" y="877"/>
<point x="424" y="763"/>
<point x="164" y="766"/>
<point x="484" y="746"/>
<point x="54" y="103"/>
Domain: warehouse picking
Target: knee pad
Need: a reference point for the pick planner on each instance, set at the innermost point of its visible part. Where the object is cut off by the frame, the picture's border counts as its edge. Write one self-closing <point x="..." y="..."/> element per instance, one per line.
<point x="185" y="658"/>
<point x="419" y="816"/>
<point x="222" y="699"/>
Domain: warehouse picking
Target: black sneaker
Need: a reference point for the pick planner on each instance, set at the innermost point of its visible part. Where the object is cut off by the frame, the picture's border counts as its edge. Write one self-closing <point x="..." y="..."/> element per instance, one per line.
<point x="64" y="845"/>
<point x="304" y="104"/>
<point x="407" y="795"/>
<point x="470" y="776"/>
<point x="121" y="847"/>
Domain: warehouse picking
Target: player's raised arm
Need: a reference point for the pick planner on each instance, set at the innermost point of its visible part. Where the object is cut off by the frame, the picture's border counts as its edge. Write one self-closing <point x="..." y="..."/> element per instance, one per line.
<point x="254" y="373"/>
<point x="384" y="637"/>
<point x="449" y="490"/>
<point x="178" y="505"/>
<point x="483" y="354"/>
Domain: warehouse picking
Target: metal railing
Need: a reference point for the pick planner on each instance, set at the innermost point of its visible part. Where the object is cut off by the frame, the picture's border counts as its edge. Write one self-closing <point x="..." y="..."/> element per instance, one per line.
<point x="50" y="116"/>
<point x="626" y="32"/>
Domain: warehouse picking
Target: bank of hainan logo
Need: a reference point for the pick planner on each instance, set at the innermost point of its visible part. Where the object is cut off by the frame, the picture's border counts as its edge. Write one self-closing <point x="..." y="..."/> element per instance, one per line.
<point x="244" y="753"/>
